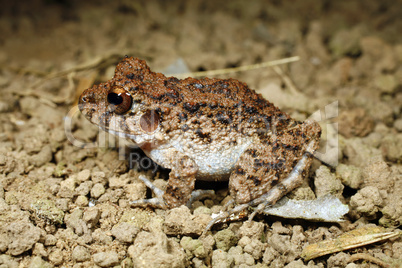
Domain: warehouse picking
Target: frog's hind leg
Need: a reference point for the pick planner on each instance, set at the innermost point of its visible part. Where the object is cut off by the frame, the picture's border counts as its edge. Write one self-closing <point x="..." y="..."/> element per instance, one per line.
<point x="269" y="198"/>
<point x="292" y="181"/>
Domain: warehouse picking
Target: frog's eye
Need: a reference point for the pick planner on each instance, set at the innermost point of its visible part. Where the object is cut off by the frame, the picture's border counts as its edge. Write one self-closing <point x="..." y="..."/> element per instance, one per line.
<point x="120" y="100"/>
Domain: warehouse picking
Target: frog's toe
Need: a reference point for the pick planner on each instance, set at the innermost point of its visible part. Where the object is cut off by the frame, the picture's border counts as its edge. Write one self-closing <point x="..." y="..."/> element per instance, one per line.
<point x="157" y="201"/>
<point x="153" y="202"/>
<point x="238" y="212"/>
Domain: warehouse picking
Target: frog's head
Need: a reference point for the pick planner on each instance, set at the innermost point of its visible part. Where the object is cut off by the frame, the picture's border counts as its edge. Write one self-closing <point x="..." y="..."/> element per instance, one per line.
<point x="112" y="107"/>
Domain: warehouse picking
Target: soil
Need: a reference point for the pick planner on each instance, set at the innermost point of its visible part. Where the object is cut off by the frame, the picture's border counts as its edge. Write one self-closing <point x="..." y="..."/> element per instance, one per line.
<point x="65" y="202"/>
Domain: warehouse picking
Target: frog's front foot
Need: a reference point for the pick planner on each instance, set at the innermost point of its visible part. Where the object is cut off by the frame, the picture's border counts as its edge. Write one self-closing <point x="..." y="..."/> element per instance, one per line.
<point x="158" y="201"/>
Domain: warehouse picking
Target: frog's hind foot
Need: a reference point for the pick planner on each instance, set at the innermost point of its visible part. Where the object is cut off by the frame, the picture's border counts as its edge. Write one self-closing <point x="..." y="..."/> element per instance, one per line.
<point x="278" y="191"/>
<point x="157" y="202"/>
<point x="237" y="213"/>
<point x="268" y="199"/>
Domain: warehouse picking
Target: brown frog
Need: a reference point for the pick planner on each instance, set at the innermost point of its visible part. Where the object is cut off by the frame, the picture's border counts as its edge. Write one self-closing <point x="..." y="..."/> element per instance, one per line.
<point x="207" y="129"/>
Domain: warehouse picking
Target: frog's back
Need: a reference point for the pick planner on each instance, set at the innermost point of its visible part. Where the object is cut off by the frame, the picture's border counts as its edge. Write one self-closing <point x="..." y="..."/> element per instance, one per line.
<point x="209" y="108"/>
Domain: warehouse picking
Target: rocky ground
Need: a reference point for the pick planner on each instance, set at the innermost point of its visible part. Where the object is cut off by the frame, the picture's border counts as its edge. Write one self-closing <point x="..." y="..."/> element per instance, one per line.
<point x="65" y="205"/>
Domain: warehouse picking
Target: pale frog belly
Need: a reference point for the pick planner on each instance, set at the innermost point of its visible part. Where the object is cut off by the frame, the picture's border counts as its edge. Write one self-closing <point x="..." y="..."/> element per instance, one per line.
<point x="215" y="161"/>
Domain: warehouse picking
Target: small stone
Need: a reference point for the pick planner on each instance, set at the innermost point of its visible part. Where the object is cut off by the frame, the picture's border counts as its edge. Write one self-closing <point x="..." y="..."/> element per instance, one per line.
<point x="255" y="248"/>
<point x="37" y="262"/>
<point x="181" y="221"/>
<point x="355" y="122"/>
<point x="252" y="229"/>
<point x="125" y="232"/>
<point x="392" y="212"/>
<point x="387" y="83"/>
<point x="326" y="182"/>
<point x="56" y="257"/>
<point x="50" y="240"/>
<point x="43" y="157"/>
<point x="244" y="241"/>
<point x="302" y="193"/>
<point x="278" y="228"/>
<point x="91" y="216"/>
<point x="280" y="243"/>
<point x="97" y="190"/>
<point x="359" y="153"/>
<point x="22" y="236"/>
<point x="75" y="222"/>
<point x="221" y="258"/>
<point x="373" y="139"/>
<point x="62" y="203"/>
<point x="81" y="201"/>
<point x="350" y="176"/>
<point x="39" y="249"/>
<point x="367" y="201"/>
<point x="84" y="175"/>
<point x="397" y="126"/>
<point x="101" y="237"/>
<point x="67" y="188"/>
<point x="225" y="239"/>
<point x="1" y="188"/>
<point x="156" y="250"/>
<point x="136" y="190"/>
<point x="202" y="210"/>
<point x="81" y="253"/>
<point x="84" y="188"/>
<point x="194" y="245"/>
<point x="118" y="182"/>
<point x="106" y="259"/>
<point x="6" y="261"/>
<point x="46" y="209"/>
<point x="99" y="177"/>
<point x="346" y="42"/>
<point x="269" y="255"/>
<point x="391" y="147"/>
<point x="376" y="173"/>
<point x="381" y="111"/>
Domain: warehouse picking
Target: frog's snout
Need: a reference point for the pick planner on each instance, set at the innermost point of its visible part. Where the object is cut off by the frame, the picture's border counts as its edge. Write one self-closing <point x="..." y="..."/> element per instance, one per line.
<point x="87" y="103"/>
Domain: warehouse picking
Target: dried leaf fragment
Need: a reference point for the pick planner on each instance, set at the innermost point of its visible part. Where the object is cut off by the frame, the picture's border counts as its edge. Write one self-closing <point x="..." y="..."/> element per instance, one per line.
<point x="353" y="239"/>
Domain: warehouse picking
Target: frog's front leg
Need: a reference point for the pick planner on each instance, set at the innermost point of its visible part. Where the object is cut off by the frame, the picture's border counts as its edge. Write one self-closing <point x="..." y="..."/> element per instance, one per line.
<point x="181" y="182"/>
<point x="180" y="185"/>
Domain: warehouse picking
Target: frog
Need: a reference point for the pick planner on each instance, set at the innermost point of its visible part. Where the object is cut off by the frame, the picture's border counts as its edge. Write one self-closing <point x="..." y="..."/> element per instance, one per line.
<point x="206" y="129"/>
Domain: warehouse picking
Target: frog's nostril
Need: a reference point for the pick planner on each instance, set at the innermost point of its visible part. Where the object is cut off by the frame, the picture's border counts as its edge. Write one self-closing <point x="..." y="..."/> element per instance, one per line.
<point x="86" y="98"/>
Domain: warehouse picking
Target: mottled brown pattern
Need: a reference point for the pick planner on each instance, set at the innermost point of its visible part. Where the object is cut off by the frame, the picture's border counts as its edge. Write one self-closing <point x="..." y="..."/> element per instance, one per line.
<point x="202" y="122"/>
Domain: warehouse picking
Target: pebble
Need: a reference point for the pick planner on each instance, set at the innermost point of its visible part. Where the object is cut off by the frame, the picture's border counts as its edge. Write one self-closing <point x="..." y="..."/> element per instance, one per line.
<point x="326" y="182"/>
<point x="225" y="239"/>
<point x="367" y="201"/>
<point x="37" y="262"/>
<point x="56" y="257"/>
<point x="106" y="259"/>
<point x="350" y="176"/>
<point x="398" y="124"/>
<point x="91" y="216"/>
<point x="84" y="175"/>
<point x="80" y="254"/>
<point x="125" y="232"/>
<point x="221" y="258"/>
<point x="386" y="83"/>
<point x="97" y="190"/>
